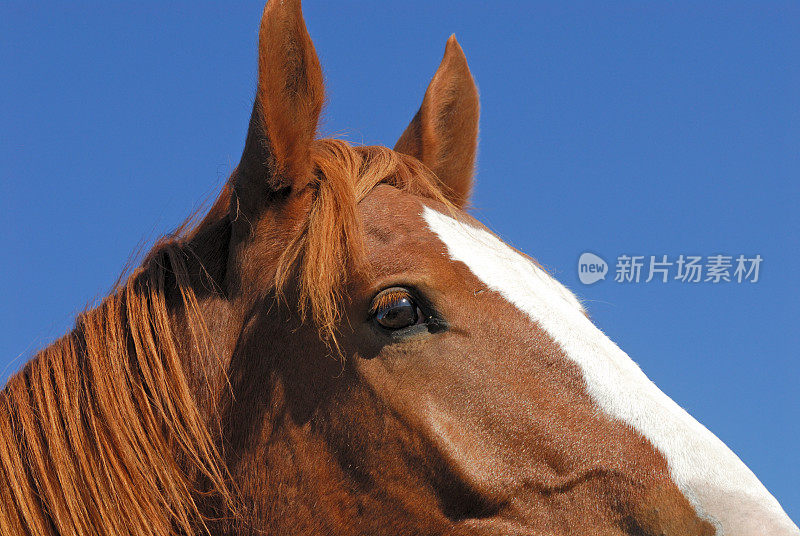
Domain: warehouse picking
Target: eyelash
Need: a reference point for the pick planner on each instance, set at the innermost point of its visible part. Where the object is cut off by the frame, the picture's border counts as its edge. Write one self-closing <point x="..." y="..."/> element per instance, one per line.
<point x="389" y="298"/>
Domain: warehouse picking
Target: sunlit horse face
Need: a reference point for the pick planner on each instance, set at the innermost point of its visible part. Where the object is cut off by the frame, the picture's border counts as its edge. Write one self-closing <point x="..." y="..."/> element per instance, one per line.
<point x="474" y="395"/>
<point x="388" y="365"/>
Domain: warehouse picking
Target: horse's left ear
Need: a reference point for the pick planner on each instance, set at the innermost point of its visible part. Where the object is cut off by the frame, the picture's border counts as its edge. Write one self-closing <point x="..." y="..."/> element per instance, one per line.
<point x="444" y="133"/>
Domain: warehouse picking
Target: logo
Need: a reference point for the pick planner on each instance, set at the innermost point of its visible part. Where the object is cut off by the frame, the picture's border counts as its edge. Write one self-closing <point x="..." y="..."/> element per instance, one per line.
<point x="689" y="269"/>
<point x="591" y="268"/>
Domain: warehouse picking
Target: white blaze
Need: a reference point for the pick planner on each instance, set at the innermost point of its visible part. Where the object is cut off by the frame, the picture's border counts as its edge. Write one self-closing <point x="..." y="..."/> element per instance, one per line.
<point x="711" y="476"/>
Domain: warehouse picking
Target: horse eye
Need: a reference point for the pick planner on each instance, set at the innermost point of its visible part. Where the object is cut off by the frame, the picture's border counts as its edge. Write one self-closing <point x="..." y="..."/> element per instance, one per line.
<point x="395" y="309"/>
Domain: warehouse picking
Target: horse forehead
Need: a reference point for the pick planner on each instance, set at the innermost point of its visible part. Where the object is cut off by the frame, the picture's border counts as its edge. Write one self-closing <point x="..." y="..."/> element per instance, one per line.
<point x="403" y="219"/>
<point x="395" y="229"/>
<point x="387" y="210"/>
<point x="714" y="480"/>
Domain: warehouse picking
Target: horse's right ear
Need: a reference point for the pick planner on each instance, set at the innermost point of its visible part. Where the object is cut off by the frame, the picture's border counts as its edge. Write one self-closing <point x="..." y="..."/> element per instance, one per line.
<point x="286" y="111"/>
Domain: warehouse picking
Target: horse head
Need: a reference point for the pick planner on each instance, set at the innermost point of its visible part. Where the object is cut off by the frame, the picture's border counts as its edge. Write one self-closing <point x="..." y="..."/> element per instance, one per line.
<point x="361" y="356"/>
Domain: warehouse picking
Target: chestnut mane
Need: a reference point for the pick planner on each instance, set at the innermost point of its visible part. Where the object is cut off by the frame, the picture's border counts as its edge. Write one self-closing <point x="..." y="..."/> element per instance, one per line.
<point x="103" y="432"/>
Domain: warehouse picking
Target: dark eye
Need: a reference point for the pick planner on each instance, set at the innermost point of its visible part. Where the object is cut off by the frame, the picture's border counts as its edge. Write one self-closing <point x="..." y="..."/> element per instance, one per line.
<point x="395" y="309"/>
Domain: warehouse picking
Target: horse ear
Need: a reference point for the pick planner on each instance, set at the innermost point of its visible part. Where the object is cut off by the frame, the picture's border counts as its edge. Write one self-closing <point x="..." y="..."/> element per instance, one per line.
<point x="444" y="133"/>
<point x="287" y="107"/>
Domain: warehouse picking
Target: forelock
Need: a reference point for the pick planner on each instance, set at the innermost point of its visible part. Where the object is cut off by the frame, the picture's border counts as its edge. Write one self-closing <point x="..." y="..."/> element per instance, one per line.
<point x="330" y="245"/>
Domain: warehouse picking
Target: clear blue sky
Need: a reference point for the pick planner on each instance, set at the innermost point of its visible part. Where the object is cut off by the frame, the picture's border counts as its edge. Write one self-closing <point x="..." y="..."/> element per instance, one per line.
<point x="635" y="128"/>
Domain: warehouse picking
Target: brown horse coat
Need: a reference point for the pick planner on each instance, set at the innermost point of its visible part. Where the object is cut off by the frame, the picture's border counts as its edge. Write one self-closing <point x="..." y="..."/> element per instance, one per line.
<point x="338" y="348"/>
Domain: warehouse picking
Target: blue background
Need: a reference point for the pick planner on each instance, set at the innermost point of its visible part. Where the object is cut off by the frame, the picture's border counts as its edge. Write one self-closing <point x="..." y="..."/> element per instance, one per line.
<point x="635" y="128"/>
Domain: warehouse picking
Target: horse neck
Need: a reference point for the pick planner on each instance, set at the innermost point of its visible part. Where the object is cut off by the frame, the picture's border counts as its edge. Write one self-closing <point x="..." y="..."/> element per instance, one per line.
<point x="107" y="428"/>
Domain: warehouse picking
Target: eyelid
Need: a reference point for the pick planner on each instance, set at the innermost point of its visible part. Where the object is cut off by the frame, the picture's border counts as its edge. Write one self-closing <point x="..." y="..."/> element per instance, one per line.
<point x="388" y="298"/>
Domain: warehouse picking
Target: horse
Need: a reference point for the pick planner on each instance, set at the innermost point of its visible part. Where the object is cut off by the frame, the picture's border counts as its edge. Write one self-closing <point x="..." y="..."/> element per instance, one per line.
<point x="339" y="347"/>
